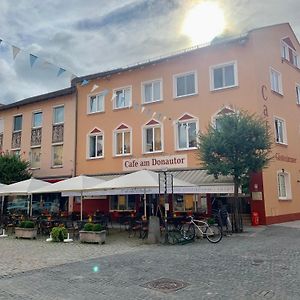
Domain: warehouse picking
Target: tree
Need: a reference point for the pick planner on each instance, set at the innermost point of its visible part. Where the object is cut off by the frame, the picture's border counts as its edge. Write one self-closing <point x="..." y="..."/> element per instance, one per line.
<point x="240" y="145"/>
<point x="13" y="168"/>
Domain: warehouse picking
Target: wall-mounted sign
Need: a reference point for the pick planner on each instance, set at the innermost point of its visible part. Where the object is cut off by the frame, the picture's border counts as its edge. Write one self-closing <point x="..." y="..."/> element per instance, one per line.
<point x="155" y="163"/>
<point x="257" y="196"/>
<point x="281" y="157"/>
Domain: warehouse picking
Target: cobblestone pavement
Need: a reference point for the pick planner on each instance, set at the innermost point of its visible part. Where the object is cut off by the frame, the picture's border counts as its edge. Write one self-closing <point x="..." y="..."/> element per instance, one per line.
<point x="262" y="263"/>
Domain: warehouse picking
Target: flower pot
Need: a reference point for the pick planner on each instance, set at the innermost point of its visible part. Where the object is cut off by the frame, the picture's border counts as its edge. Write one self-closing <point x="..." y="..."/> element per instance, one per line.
<point x="26" y="233"/>
<point x="92" y="236"/>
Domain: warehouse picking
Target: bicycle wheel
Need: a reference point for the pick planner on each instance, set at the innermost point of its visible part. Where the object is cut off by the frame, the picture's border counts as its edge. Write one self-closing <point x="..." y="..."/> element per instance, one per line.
<point x="173" y="237"/>
<point x="213" y="233"/>
<point x="188" y="231"/>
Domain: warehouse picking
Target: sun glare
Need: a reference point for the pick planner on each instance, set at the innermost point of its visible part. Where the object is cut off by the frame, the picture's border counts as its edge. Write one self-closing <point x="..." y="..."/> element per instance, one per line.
<point x="204" y="22"/>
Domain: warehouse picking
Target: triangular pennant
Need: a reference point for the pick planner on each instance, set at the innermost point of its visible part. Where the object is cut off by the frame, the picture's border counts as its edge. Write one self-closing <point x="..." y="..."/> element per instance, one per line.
<point x="164" y="118"/>
<point x="153" y="115"/>
<point x="60" y="71"/>
<point x="94" y="87"/>
<point x="85" y="82"/>
<point x="16" y="51"/>
<point x="114" y="95"/>
<point x="32" y="59"/>
<point x="143" y="108"/>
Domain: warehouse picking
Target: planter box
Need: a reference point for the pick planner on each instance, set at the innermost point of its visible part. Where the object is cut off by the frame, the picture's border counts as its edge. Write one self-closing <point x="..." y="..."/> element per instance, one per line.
<point x="26" y="233"/>
<point x="92" y="236"/>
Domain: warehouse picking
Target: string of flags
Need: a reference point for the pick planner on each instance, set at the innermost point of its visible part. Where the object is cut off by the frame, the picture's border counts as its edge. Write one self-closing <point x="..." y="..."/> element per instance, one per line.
<point x="33" y="58"/>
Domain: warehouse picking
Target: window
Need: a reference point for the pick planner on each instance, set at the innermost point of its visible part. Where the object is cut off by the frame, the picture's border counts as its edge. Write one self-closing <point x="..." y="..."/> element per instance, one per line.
<point x="35" y="158"/>
<point x="124" y="202"/>
<point x="276" y="81"/>
<point x="58" y="114"/>
<point x="298" y="94"/>
<point x="186" y="132"/>
<point x="122" y="98"/>
<point x="122" y="140"/>
<point x="183" y="202"/>
<point x="151" y="91"/>
<point x="95" y="144"/>
<point x="223" y="76"/>
<point x="96" y="103"/>
<point x="18" y="123"/>
<point x="37" y="119"/>
<point x="284" y="185"/>
<point x="152" y="137"/>
<point x="57" y="155"/>
<point x="185" y="84"/>
<point x="288" y="52"/>
<point x="280" y="131"/>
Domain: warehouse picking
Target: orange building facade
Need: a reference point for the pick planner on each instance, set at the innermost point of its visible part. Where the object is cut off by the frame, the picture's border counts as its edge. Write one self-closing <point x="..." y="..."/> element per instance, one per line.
<point x="147" y="116"/>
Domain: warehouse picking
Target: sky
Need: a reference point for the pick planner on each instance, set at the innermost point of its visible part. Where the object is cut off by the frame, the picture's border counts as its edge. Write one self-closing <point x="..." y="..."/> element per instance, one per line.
<point x="76" y="38"/>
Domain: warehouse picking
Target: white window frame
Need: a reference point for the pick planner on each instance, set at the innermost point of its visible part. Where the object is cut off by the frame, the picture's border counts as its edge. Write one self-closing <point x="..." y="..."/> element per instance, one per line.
<point x="194" y="120"/>
<point x="144" y="137"/>
<point x="144" y="83"/>
<point x="222" y="66"/>
<point x="298" y="93"/>
<point x="1" y="125"/>
<point x="175" y="76"/>
<point x="284" y="131"/>
<point x="52" y="155"/>
<point x="276" y="86"/>
<point x="116" y="131"/>
<point x="89" y="111"/>
<point x="53" y="117"/>
<point x="285" y="54"/>
<point x="115" y="97"/>
<point x="287" y="185"/>
<point x="13" y="124"/>
<point x="33" y="114"/>
<point x="100" y="133"/>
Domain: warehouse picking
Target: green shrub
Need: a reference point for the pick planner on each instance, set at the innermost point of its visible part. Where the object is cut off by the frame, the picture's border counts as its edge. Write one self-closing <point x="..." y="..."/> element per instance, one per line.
<point x="97" y="227"/>
<point x="88" y="227"/>
<point x="59" y="234"/>
<point x="92" y="227"/>
<point x="211" y="221"/>
<point x="27" y="224"/>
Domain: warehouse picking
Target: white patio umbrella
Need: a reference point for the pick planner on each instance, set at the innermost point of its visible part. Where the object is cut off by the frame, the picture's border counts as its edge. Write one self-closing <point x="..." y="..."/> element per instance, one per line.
<point x="75" y="184"/>
<point x="2" y="197"/>
<point x="25" y="187"/>
<point x="141" y="180"/>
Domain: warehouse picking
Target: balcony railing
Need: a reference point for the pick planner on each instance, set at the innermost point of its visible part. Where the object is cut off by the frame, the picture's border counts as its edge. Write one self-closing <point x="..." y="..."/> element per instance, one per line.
<point x="58" y="133"/>
<point x="36" y="136"/>
<point x="16" y="140"/>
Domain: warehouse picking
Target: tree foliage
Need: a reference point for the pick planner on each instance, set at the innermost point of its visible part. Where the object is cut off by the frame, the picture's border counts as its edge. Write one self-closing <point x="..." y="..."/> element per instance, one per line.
<point x="239" y="146"/>
<point x="13" y="168"/>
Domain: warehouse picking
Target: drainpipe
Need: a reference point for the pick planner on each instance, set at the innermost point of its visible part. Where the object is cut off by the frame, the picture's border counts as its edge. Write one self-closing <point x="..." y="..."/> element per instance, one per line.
<point x="76" y="128"/>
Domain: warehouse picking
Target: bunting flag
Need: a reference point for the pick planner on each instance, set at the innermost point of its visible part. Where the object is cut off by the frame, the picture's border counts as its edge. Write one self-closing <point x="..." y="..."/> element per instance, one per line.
<point x="114" y="95"/>
<point x="94" y="87"/>
<point x="164" y="118"/>
<point x="143" y="108"/>
<point x="153" y="115"/>
<point x="85" y="82"/>
<point x="60" y="71"/>
<point x="32" y="59"/>
<point x="16" y="51"/>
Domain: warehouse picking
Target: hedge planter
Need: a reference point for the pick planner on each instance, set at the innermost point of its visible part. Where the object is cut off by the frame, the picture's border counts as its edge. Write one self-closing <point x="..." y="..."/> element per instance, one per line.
<point x="92" y="236"/>
<point x="26" y="233"/>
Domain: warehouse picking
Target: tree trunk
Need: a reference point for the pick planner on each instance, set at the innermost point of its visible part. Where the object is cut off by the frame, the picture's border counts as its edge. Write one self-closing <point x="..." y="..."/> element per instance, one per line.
<point x="237" y="222"/>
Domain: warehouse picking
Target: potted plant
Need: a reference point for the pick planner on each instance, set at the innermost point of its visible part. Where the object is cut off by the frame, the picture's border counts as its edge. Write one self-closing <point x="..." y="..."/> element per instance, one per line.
<point x="59" y="233"/>
<point x="92" y="233"/>
<point x="26" y="230"/>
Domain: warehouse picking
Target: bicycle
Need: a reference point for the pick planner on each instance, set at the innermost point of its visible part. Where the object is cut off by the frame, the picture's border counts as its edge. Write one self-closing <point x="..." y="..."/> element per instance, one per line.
<point x="212" y="232"/>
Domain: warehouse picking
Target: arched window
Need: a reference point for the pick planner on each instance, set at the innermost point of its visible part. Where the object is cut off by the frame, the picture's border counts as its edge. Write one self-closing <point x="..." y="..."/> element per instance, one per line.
<point x="284" y="185"/>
